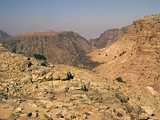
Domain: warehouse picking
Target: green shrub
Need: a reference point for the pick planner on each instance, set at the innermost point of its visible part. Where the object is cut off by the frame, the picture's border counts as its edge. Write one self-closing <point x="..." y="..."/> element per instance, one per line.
<point x="39" y="56"/>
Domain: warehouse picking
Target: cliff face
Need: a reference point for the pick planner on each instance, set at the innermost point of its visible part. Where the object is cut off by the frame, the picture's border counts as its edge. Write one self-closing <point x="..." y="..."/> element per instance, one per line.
<point x="59" y="48"/>
<point x="108" y="37"/>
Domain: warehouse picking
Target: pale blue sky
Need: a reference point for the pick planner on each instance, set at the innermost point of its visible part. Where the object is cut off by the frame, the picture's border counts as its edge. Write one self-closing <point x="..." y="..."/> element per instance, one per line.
<point x="87" y="17"/>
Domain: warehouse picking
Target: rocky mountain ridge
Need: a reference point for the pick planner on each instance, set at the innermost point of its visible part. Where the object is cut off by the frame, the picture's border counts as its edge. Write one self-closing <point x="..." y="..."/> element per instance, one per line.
<point x="59" y="48"/>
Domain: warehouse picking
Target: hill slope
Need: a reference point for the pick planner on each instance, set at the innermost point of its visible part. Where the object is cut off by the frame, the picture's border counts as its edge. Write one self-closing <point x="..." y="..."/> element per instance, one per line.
<point x="135" y="60"/>
<point x="31" y="91"/>
<point x="139" y="46"/>
<point x="59" y="48"/>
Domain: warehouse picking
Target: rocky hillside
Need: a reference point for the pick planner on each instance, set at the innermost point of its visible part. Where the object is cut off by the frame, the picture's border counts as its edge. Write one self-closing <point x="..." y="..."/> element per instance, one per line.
<point x="125" y="86"/>
<point x="59" y="48"/>
<point x="135" y="60"/>
<point x="139" y="45"/>
<point x="108" y="37"/>
<point x="3" y="35"/>
<point x="29" y="90"/>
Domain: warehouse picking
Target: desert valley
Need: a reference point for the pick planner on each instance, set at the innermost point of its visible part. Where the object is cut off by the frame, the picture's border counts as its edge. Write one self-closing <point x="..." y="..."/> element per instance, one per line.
<point x="64" y="76"/>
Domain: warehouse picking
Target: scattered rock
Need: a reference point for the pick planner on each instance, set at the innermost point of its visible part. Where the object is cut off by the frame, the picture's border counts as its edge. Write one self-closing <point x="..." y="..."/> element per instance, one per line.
<point x="59" y="115"/>
<point x="120" y="79"/>
<point x="84" y="88"/>
<point x="48" y="117"/>
<point x="148" y="110"/>
<point x="151" y="90"/>
<point x="29" y="114"/>
<point x="69" y="76"/>
<point x="121" y="97"/>
<point x="3" y="96"/>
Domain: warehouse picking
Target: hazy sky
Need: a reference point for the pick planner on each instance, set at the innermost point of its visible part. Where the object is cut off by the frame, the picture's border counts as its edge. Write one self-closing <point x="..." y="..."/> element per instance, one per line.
<point x="87" y="17"/>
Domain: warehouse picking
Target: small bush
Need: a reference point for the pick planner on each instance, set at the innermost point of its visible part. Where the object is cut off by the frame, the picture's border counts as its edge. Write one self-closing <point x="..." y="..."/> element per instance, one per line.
<point x="39" y="56"/>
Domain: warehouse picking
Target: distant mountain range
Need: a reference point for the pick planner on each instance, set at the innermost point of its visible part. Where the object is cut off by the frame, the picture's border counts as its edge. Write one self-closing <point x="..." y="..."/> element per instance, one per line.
<point x="60" y="48"/>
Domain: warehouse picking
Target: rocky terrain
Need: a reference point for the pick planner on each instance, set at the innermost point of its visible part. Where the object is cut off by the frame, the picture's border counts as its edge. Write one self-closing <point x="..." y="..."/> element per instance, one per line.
<point x="125" y="86"/>
<point x="62" y="48"/>
<point x="135" y="59"/>
<point x="29" y="90"/>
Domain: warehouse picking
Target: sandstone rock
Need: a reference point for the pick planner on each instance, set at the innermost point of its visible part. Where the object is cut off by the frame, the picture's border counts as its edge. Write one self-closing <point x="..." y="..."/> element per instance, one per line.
<point x="148" y="110"/>
<point x="151" y="90"/>
<point x="144" y="116"/>
<point x="49" y="76"/>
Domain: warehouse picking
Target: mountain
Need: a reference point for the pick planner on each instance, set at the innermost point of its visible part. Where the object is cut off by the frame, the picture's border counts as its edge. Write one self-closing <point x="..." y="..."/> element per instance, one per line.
<point x="59" y="48"/>
<point x="139" y="46"/>
<point x="108" y="37"/>
<point x="125" y="86"/>
<point x="3" y="35"/>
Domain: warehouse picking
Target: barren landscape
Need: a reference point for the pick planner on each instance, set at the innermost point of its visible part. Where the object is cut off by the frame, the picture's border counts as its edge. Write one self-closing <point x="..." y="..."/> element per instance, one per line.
<point x="63" y="76"/>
